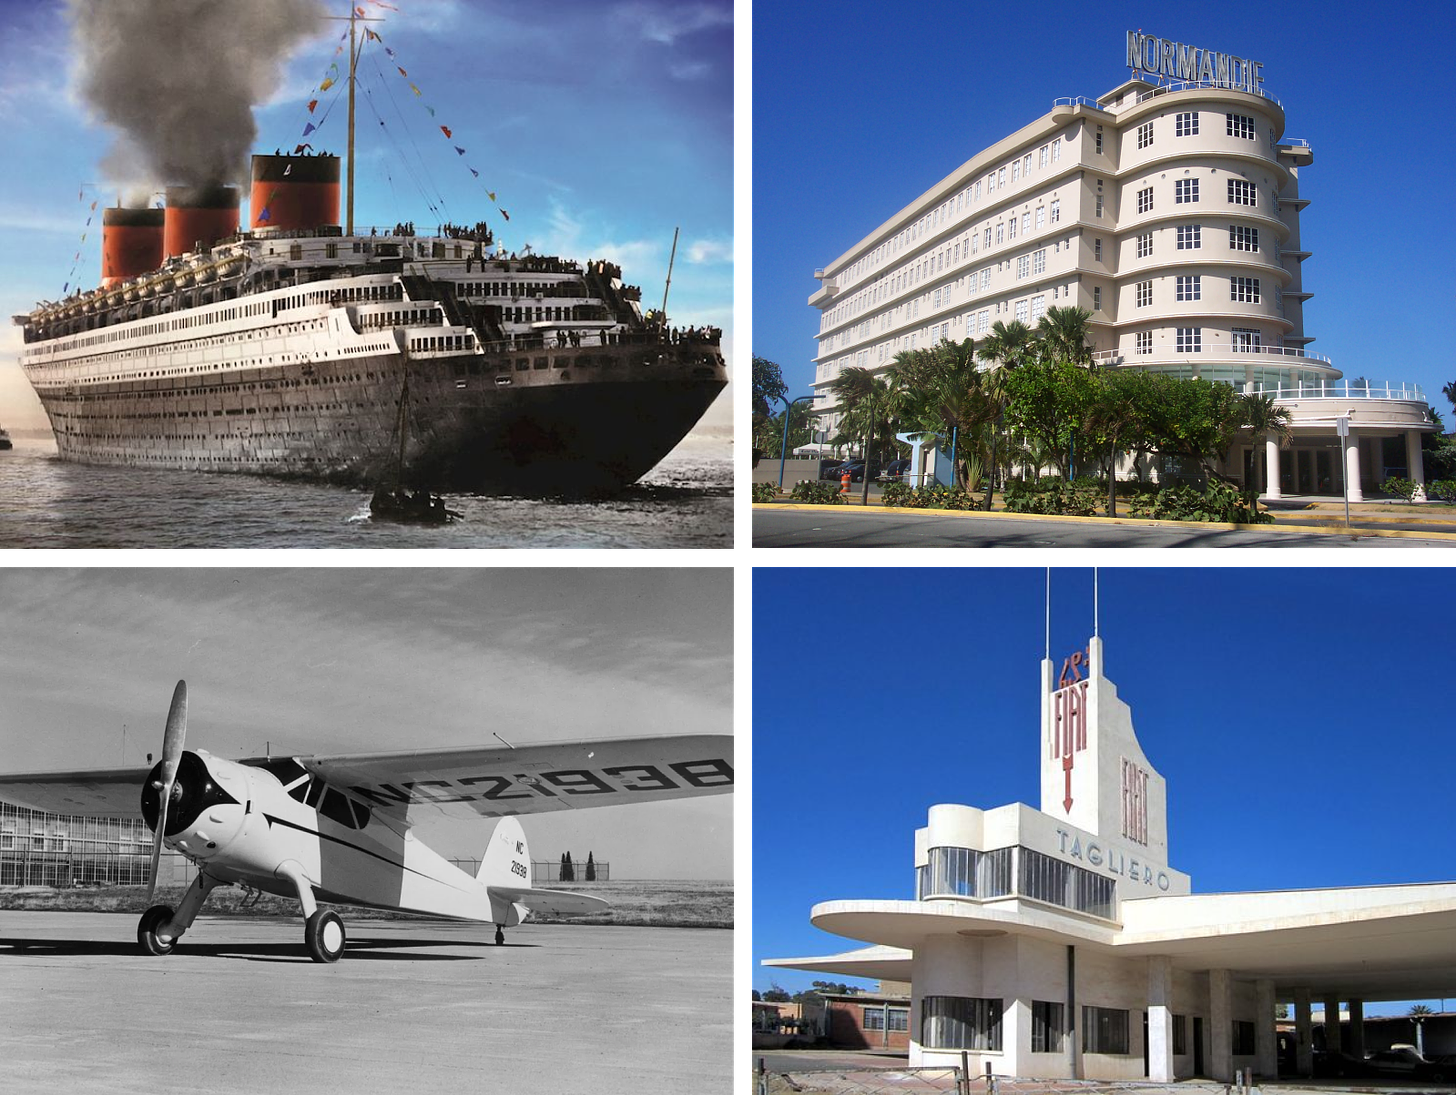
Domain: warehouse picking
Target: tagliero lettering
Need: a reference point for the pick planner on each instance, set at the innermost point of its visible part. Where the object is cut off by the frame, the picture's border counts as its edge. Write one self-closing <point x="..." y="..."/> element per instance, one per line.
<point x="1112" y="861"/>
<point x="1168" y="58"/>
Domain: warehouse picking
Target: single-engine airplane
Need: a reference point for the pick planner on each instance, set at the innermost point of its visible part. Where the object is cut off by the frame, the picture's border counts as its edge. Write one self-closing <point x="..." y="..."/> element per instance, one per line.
<point x="338" y="828"/>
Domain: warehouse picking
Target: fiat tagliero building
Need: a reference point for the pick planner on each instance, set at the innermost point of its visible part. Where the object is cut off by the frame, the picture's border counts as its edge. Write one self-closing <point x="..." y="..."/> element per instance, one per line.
<point x="1060" y="943"/>
<point x="1169" y="209"/>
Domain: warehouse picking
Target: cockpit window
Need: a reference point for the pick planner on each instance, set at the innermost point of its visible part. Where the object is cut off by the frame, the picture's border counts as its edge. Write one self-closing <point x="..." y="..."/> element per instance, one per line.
<point x="305" y="787"/>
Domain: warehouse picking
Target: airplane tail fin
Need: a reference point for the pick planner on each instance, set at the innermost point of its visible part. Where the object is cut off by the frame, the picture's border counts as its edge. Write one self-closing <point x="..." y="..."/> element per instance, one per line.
<point x="507" y="858"/>
<point x="505" y="869"/>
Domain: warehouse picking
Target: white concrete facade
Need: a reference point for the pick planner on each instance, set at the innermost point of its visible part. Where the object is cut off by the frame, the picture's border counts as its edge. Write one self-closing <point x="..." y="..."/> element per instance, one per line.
<point x="1059" y="942"/>
<point x="1171" y="213"/>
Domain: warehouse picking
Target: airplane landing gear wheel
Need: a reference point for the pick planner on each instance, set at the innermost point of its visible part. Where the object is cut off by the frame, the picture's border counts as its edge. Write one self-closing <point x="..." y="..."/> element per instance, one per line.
<point x="500" y="936"/>
<point x="147" y="927"/>
<point x="323" y="935"/>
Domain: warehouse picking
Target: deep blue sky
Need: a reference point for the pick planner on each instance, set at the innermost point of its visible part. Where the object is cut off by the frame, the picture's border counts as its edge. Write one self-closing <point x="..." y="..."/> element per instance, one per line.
<point x="858" y="113"/>
<point x="1297" y="715"/>
<point x="600" y="127"/>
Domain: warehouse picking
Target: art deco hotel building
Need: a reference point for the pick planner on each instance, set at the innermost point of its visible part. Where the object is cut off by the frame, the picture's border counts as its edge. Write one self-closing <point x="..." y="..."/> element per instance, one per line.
<point x="1169" y="209"/>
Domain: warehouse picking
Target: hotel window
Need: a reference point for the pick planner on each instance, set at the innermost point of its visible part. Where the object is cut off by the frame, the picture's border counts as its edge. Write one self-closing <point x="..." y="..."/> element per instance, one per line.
<point x="1144" y="294"/>
<point x="1096" y="298"/>
<point x="974" y="242"/>
<point x="1243" y="239"/>
<point x="1241" y="192"/>
<point x="1180" y="1035"/>
<point x="1145" y="134"/>
<point x="1021" y="312"/>
<point x="1001" y="177"/>
<point x="1190" y="288"/>
<point x="1097" y="250"/>
<point x="937" y="299"/>
<point x="1015" y="170"/>
<point x="1185" y="191"/>
<point x="1026" y="164"/>
<point x="1246" y="340"/>
<point x="960" y="1022"/>
<point x="1023" y="266"/>
<point x="1038" y="261"/>
<point x="1144" y="245"/>
<point x="1104" y="1030"/>
<point x="1145" y="199"/>
<point x="1190" y="340"/>
<point x="1243" y="1038"/>
<point x="1040" y="217"/>
<point x="1047" y="1031"/>
<point x="1041" y="156"/>
<point x="1038" y="307"/>
<point x="1240" y="126"/>
<point x="1000" y="234"/>
<point x="978" y="190"/>
<point x="1244" y="289"/>
<point x="1011" y="228"/>
<point x="983" y="321"/>
<point x="1145" y="342"/>
<point x="1099" y="140"/>
<point x="990" y="182"/>
<point x="1190" y="237"/>
<point x="1056" y="150"/>
<point x="1025" y="223"/>
<point x="1186" y="125"/>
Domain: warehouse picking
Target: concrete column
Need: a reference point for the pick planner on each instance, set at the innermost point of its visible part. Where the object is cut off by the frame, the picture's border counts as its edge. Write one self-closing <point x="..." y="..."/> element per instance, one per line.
<point x="1352" y="467"/>
<point x="1220" y="1025"/>
<point x="1271" y="469"/>
<point x="1332" y="1024"/>
<point x="1304" y="1049"/>
<point x="1160" y="1019"/>
<point x="1416" y="470"/>
<point x="1266" y="1046"/>
<point x="1357" y="1028"/>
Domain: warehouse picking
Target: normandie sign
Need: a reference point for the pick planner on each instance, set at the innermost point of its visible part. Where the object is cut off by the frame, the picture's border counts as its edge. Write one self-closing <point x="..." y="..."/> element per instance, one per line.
<point x="1168" y="58"/>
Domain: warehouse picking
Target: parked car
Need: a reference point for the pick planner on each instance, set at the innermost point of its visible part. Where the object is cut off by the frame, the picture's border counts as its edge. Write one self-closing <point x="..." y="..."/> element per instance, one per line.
<point x="1338" y="1066"/>
<point x="833" y="469"/>
<point x="1405" y="1061"/>
<point x="895" y="470"/>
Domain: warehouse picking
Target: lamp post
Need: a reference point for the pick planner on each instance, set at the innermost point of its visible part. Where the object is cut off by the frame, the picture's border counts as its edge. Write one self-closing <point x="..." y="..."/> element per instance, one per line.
<point x="784" y="444"/>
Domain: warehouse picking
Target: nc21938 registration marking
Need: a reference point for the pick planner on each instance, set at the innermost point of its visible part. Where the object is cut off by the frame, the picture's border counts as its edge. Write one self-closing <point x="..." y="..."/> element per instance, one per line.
<point x="616" y="779"/>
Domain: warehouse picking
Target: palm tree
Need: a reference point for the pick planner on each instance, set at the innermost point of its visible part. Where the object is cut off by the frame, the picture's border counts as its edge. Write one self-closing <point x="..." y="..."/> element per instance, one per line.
<point x="941" y="393"/>
<point x="1062" y="335"/>
<point x="1419" y="1013"/>
<point x="1010" y="346"/>
<point x="865" y="401"/>
<point x="1449" y="391"/>
<point x="1267" y="419"/>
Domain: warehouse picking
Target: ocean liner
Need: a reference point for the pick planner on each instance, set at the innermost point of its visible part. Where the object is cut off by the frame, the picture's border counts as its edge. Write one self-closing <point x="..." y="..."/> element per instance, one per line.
<point x="287" y="349"/>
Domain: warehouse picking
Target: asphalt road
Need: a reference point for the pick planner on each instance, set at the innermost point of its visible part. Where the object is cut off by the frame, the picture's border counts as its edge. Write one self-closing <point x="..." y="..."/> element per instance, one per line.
<point x="830" y="526"/>
<point x="412" y="1006"/>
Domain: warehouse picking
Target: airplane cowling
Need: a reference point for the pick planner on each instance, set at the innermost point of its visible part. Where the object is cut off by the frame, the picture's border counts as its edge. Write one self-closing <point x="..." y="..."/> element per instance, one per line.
<point x="204" y="814"/>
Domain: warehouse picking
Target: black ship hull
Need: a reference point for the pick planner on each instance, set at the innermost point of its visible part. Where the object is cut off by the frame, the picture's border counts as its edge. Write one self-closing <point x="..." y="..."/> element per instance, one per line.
<point x="534" y="422"/>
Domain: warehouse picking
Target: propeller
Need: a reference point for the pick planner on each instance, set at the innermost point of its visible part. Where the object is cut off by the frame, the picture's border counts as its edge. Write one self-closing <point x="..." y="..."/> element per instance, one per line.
<point x="166" y="781"/>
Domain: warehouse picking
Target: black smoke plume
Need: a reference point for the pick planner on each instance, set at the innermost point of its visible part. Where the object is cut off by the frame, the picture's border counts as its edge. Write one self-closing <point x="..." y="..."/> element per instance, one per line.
<point x="179" y="79"/>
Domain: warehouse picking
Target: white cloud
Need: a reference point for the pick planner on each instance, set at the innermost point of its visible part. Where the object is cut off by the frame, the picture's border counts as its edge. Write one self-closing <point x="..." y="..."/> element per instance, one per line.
<point x="704" y="252"/>
<point x="689" y="70"/>
<point x="666" y="23"/>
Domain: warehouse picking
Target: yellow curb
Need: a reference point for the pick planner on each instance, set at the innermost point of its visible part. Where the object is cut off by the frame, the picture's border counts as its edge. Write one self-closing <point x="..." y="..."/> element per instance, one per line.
<point x="1317" y="530"/>
<point x="1374" y="517"/>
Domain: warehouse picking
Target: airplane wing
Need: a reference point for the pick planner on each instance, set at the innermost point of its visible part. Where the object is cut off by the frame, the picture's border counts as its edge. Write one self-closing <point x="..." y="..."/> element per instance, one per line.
<point x="102" y="792"/>
<point x="558" y="902"/>
<point x="532" y="779"/>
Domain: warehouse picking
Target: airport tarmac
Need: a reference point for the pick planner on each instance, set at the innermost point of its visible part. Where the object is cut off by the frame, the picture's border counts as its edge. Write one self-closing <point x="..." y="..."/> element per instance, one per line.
<point x="413" y="1005"/>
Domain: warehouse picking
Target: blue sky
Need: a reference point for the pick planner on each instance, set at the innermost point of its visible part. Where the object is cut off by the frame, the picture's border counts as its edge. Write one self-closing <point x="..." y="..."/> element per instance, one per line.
<point x="1297" y="716"/>
<point x="323" y="660"/>
<point x="858" y="114"/>
<point x="600" y="126"/>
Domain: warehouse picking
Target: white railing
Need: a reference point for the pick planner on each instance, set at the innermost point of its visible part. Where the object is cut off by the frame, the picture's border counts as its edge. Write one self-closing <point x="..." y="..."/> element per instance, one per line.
<point x="1346" y="389"/>
<point x="1115" y="357"/>
<point x="1074" y="100"/>
<point x="1300" y="141"/>
<point x="1196" y="85"/>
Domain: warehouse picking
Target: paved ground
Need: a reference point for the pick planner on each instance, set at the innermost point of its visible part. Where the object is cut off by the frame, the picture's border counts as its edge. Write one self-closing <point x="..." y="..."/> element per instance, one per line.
<point x="833" y="526"/>
<point x="413" y="1006"/>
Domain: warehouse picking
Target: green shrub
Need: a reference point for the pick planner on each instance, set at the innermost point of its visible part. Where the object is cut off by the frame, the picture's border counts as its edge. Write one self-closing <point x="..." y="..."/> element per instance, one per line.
<point x="1399" y="487"/>
<point x="1218" y="501"/>
<point x="898" y="494"/>
<point x="765" y="492"/>
<point x="1443" y="490"/>
<point x="818" y="492"/>
<point x="1053" y="495"/>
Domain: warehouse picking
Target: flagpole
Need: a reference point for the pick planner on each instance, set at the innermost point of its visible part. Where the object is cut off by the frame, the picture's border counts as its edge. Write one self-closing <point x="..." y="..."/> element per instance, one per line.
<point x="353" y="62"/>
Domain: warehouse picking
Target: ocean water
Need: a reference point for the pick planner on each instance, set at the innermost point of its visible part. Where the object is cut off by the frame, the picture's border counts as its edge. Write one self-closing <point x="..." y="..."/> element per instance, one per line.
<point x="45" y="502"/>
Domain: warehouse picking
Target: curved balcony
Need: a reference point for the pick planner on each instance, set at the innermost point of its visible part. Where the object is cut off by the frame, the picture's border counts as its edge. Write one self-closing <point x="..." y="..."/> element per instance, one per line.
<point x="1287" y="357"/>
<point x="1382" y="405"/>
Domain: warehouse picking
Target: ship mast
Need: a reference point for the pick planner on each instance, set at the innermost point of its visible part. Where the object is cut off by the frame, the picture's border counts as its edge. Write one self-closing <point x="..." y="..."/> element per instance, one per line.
<point x="354" y="19"/>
